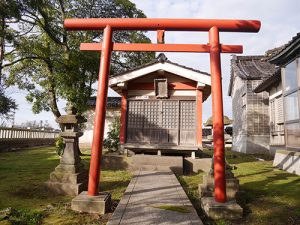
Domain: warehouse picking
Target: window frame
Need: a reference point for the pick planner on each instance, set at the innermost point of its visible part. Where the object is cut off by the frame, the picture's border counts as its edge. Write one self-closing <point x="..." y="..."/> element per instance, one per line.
<point x="290" y="92"/>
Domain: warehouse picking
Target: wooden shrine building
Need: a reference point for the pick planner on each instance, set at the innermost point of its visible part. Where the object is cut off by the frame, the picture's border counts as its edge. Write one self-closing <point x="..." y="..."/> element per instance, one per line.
<point x="161" y="106"/>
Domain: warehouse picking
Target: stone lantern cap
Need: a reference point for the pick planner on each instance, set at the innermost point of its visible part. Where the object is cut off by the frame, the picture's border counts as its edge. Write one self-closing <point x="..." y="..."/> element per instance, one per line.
<point x="71" y="119"/>
<point x="71" y="122"/>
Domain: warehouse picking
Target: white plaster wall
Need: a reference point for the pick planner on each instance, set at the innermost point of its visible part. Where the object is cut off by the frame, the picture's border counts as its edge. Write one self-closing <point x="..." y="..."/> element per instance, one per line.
<point x="254" y="144"/>
<point x="258" y="144"/>
<point x="239" y="143"/>
<point x="243" y="141"/>
<point x="87" y="138"/>
<point x="239" y="133"/>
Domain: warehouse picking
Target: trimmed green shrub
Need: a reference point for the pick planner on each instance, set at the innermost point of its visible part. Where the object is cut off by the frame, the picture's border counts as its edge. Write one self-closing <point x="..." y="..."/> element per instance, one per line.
<point x="112" y="141"/>
<point x="59" y="146"/>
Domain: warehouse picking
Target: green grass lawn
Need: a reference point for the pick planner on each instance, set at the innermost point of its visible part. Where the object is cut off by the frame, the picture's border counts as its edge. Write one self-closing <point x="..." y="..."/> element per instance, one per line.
<point x="22" y="175"/>
<point x="271" y="196"/>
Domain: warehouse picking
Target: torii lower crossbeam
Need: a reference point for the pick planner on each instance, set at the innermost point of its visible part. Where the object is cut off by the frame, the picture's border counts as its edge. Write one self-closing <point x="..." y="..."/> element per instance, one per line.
<point x="161" y="47"/>
<point x="214" y="48"/>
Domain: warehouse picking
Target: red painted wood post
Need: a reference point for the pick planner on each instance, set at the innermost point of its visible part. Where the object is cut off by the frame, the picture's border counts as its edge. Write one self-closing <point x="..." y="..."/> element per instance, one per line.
<point x="199" y="117"/>
<point x="217" y="111"/>
<point x="123" y="117"/>
<point x="160" y="37"/>
<point x="99" y="121"/>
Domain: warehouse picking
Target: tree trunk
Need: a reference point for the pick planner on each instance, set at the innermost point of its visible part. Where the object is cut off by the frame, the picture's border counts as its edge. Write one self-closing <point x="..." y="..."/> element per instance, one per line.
<point x="2" y="42"/>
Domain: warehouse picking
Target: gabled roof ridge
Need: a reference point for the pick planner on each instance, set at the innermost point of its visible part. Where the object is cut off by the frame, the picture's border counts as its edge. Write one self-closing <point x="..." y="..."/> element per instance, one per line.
<point x="252" y="67"/>
<point x="161" y="58"/>
<point x="284" y="53"/>
<point x="249" y="57"/>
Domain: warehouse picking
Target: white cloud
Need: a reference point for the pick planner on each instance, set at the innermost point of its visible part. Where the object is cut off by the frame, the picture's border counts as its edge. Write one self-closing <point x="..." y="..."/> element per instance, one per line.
<point x="280" y="22"/>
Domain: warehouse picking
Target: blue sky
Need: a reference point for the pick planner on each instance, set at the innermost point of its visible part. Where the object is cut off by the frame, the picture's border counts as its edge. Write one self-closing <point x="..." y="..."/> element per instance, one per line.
<point x="280" y="22"/>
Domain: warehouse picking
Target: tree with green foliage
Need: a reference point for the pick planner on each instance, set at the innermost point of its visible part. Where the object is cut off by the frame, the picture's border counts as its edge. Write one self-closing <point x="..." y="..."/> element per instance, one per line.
<point x="7" y="106"/>
<point x="47" y="61"/>
<point x="9" y="13"/>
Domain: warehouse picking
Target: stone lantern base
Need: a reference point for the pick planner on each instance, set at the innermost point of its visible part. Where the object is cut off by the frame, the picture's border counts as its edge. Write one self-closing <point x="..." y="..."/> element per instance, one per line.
<point x="68" y="179"/>
<point x="215" y="210"/>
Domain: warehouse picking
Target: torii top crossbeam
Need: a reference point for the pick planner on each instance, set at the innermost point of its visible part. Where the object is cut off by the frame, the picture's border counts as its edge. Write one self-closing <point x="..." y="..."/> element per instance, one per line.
<point x="214" y="48"/>
<point x="163" y="24"/>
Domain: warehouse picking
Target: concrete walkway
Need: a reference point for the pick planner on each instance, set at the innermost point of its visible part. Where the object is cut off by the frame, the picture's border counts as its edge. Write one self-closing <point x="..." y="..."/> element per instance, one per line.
<point x="146" y="198"/>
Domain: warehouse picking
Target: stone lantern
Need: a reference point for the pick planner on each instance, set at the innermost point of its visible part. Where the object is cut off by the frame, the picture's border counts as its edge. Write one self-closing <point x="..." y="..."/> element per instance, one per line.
<point x="69" y="177"/>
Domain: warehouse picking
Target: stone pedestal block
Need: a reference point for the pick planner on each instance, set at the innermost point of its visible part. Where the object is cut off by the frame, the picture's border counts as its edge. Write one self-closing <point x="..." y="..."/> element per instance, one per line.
<point x="217" y="210"/>
<point x="207" y="188"/>
<point x="68" y="180"/>
<point x="99" y="204"/>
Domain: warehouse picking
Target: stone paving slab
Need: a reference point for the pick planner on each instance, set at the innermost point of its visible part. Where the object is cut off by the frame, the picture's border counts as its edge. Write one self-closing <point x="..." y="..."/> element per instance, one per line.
<point x="145" y="196"/>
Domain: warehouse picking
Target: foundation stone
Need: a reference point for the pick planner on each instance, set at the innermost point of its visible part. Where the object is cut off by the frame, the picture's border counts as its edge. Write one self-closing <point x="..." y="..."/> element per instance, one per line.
<point x="216" y="210"/>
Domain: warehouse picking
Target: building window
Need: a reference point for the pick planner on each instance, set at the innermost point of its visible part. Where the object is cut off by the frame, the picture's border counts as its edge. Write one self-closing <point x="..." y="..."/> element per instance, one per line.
<point x="293" y="134"/>
<point x="279" y="109"/>
<point x="291" y="81"/>
<point x="276" y="120"/>
<point x="291" y="106"/>
<point x="272" y="115"/>
<point x="290" y="77"/>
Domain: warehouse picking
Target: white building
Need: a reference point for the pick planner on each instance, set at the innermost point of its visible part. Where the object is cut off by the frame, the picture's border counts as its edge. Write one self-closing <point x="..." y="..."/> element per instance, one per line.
<point x="113" y="111"/>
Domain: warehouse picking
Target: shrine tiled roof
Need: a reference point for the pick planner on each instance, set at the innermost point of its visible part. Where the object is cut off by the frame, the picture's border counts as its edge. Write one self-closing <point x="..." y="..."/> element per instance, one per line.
<point x="280" y="56"/>
<point x="161" y="58"/>
<point x="112" y="102"/>
<point x="268" y="82"/>
<point x="285" y="53"/>
<point x="250" y="68"/>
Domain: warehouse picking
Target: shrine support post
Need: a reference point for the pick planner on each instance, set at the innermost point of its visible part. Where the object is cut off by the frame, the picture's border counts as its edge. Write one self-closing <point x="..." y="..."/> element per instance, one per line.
<point x="100" y="112"/>
<point x="123" y="117"/>
<point x="217" y="114"/>
<point x="199" y="98"/>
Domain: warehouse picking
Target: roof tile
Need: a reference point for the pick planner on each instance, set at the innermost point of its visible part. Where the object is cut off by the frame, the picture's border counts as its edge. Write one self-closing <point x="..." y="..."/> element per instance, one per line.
<point x="250" y="68"/>
<point x="161" y="58"/>
<point x="111" y="102"/>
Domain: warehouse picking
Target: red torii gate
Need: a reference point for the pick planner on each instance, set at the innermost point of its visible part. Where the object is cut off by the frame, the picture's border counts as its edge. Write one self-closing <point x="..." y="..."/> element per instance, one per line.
<point x="160" y="25"/>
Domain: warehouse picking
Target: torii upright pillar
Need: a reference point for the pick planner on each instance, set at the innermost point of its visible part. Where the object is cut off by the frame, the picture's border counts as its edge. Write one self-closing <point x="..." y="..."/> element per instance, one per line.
<point x="217" y="108"/>
<point x="214" y="48"/>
